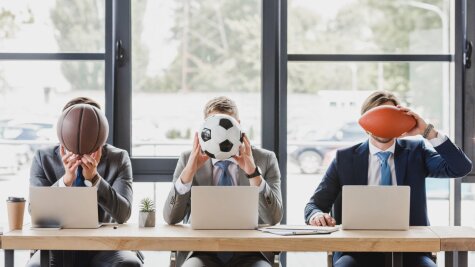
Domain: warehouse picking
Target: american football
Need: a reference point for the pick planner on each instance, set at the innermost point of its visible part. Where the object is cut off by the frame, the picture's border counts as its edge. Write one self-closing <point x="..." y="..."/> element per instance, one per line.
<point x="386" y="121"/>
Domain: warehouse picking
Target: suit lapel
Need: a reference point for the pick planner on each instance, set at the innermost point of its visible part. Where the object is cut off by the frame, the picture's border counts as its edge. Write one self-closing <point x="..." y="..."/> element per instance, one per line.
<point x="400" y="162"/>
<point x="360" y="164"/>
<point x="204" y="176"/>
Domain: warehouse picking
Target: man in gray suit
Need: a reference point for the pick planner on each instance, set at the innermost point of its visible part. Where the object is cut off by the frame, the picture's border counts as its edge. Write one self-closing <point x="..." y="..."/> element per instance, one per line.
<point x="109" y="169"/>
<point x="252" y="167"/>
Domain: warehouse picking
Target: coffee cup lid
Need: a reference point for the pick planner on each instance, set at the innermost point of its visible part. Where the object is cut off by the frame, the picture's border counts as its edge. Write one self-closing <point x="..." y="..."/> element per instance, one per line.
<point x="15" y="199"/>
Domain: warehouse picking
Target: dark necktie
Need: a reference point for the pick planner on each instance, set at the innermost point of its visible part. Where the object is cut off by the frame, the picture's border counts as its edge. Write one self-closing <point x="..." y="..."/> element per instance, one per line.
<point x="79" y="178"/>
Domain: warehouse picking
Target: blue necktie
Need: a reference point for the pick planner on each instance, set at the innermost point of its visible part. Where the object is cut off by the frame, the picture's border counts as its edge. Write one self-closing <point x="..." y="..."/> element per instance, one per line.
<point x="385" y="169"/>
<point x="225" y="179"/>
<point x="79" y="178"/>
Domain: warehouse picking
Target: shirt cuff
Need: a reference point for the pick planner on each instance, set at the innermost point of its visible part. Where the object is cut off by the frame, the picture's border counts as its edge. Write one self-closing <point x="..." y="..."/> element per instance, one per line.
<point x="182" y="188"/>
<point x="61" y="183"/>
<point x="439" y="140"/>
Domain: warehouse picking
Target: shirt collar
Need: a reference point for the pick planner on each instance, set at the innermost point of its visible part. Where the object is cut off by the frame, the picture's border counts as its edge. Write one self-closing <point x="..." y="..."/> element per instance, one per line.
<point x="230" y="159"/>
<point x="373" y="149"/>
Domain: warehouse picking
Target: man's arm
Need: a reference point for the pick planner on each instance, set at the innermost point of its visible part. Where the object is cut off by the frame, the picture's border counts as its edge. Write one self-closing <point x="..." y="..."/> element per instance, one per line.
<point x="446" y="161"/>
<point x="116" y="199"/>
<point x="324" y="196"/>
<point x="37" y="173"/>
<point x="176" y="206"/>
<point x="270" y="200"/>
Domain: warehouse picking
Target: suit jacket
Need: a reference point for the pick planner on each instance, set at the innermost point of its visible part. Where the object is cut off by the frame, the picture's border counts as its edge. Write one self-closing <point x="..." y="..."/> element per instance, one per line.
<point x="114" y="189"/>
<point x="178" y="207"/>
<point x="413" y="161"/>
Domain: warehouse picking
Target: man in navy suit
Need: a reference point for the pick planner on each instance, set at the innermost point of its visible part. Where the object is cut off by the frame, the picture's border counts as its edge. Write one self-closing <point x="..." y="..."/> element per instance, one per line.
<point x="382" y="161"/>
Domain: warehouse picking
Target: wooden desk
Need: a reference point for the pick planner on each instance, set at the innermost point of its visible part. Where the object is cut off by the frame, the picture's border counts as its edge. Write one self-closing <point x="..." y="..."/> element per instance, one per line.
<point x="166" y="238"/>
<point x="456" y="241"/>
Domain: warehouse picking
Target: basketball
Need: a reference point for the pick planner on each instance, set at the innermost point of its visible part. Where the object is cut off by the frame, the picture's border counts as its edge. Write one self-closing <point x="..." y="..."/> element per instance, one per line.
<point x="387" y="121"/>
<point x="82" y="129"/>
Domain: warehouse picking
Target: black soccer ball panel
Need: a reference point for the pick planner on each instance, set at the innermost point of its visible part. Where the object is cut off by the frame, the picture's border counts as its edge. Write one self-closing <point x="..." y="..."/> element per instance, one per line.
<point x="206" y="134"/>
<point x="225" y="146"/>
<point x="226" y="123"/>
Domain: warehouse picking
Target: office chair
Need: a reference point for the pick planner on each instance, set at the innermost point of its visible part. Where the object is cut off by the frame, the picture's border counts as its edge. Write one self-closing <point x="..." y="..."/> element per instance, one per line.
<point x="276" y="262"/>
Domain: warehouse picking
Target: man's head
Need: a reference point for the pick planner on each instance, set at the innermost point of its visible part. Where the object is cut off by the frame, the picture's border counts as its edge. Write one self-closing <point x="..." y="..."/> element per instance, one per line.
<point x="82" y="100"/>
<point x="379" y="98"/>
<point x="221" y="105"/>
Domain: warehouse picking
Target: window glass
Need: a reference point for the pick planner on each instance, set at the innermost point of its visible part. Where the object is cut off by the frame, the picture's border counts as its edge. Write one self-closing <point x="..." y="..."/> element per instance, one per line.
<point x="52" y="26"/>
<point x="368" y="27"/>
<point x="185" y="53"/>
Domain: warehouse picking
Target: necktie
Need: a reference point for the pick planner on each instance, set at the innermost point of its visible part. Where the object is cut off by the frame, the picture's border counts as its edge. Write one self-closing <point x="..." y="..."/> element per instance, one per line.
<point x="225" y="179"/>
<point x="385" y="169"/>
<point x="79" y="178"/>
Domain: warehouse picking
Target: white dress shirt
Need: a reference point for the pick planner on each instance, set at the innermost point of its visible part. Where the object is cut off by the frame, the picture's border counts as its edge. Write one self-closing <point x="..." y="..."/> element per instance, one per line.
<point x="374" y="164"/>
<point x="233" y="168"/>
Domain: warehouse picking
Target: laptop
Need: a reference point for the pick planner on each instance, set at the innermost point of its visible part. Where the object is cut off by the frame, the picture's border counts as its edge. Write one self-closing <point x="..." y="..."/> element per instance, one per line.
<point x="375" y="207"/>
<point x="224" y="207"/>
<point x="64" y="207"/>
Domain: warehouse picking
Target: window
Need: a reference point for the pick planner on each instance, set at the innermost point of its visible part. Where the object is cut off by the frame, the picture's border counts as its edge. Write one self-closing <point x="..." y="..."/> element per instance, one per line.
<point x="48" y="55"/>
<point x="338" y="54"/>
<point x="186" y="53"/>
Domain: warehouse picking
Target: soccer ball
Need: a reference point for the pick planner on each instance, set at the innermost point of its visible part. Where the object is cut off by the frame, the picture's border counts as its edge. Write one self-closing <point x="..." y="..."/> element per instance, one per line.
<point x="220" y="136"/>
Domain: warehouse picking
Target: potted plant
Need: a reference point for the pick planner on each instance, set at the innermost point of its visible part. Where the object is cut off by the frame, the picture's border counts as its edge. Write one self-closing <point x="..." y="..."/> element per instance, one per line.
<point x="147" y="213"/>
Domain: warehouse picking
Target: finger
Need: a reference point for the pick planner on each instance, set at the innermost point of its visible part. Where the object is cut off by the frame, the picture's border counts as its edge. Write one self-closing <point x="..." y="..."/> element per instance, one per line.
<point x="90" y="159"/>
<point x="246" y="140"/>
<point x="61" y="151"/>
<point x="328" y="220"/>
<point x="98" y="154"/>
<point x="316" y="222"/>
<point x="322" y="220"/>
<point x="313" y="222"/>
<point x="86" y="163"/>
<point x="74" y="166"/>
<point x="195" y="141"/>
<point x="333" y="222"/>
<point x="65" y="157"/>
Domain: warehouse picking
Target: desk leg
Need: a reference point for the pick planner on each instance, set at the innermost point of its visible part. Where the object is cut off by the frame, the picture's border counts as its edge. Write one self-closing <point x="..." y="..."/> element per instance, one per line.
<point x="463" y="258"/>
<point x="44" y="258"/>
<point x="397" y="259"/>
<point x="9" y="258"/>
<point x="450" y="259"/>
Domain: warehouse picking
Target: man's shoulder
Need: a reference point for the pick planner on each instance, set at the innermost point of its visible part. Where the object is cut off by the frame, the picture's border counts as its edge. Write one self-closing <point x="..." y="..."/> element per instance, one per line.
<point x="410" y="144"/>
<point x="47" y="152"/>
<point x="261" y="152"/>
<point x="111" y="152"/>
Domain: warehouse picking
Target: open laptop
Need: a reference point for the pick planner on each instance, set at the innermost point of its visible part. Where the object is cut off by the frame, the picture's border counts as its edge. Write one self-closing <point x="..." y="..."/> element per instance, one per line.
<point x="224" y="207"/>
<point x="375" y="207"/>
<point x="64" y="207"/>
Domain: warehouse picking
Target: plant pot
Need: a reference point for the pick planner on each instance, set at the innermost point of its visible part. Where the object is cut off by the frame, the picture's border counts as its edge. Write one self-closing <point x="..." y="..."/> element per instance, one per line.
<point x="147" y="219"/>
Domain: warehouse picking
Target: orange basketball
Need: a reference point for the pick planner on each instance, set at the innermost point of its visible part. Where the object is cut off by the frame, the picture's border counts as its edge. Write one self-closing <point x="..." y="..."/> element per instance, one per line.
<point x="82" y="129"/>
<point x="387" y="121"/>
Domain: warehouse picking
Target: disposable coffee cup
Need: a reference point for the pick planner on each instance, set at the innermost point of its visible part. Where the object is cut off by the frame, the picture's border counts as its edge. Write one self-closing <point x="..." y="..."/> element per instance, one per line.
<point x="16" y="209"/>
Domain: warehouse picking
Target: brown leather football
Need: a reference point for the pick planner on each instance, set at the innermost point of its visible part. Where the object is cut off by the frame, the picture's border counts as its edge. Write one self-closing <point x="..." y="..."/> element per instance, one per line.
<point x="82" y="129"/>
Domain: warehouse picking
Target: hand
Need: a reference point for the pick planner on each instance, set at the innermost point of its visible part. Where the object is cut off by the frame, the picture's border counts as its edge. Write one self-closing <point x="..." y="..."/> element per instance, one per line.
<point x="322" y="219"/>
<point x="245" y="160"/>
<point x="70" y="164"/>
<point x="89" y="164"/>
<point x="420" y="127"/>
<point x="195" y="162"/>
